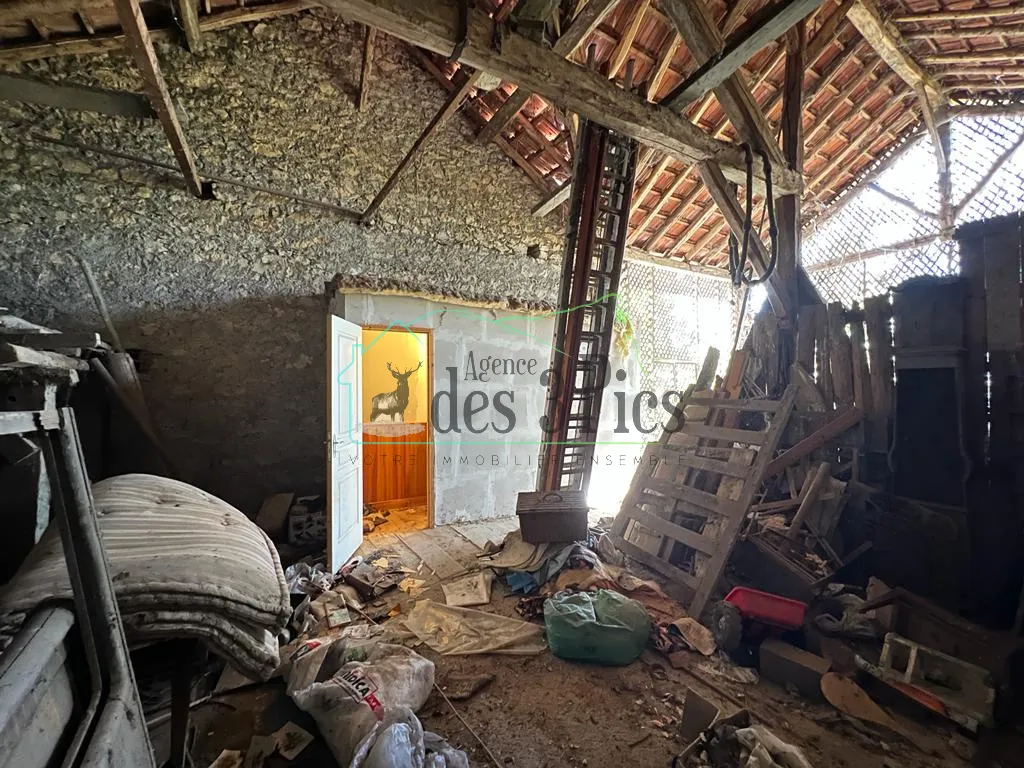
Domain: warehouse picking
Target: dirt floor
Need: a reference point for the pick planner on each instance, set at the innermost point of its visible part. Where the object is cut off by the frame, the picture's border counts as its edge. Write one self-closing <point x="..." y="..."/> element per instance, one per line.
<point x="542" y="711"/>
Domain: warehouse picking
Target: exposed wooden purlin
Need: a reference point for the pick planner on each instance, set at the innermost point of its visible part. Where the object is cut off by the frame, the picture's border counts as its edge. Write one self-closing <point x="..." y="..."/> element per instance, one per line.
<point x="367" y="68"/>
<point x="962" y="33"/>
<point x="1001" y="12"/>
<point x="652" y="179"/>
<point x="142" y="51"/>
<point x="989" y="175"/>
<point x="575" y="33"/>
<point x="552" y="201"/>
<point x="625" y="44"/>
<point x="677" y="182"/>
<point x="897" y="103"/>
<point x="187" y="15"/>
<point x="107" y="43"/>
<point x="428" y="64"/>
<point x="86" y="21"/>
<point x="78" y="97"/>
<point x="974" y="57"/>
<point x="661" y="67"/>
<point x="725" y="199"/>
<point x="449" y="108"/>
<point x="825" y="34"/>
<point x="793" y="151"/>
<point x="705" y="42"/>
<point x="659" y="260"/>
<point x="543" y="71"/>
<point x="739" y="48"/>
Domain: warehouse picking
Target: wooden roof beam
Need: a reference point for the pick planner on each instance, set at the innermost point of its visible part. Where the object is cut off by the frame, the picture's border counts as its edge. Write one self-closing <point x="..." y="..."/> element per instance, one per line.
<point x="141" y="48"/>
<point x="70" y="96"/>
<point x="367" y="69"/>
<point x="576" y="32"/>
<point x="974" y="13"/>
<point x="739" y="48"/>
<point x="186" y="13"/>
<point x="625" y="44"/>
<point x="539" y="69"/>
<point x="888" y="43"/>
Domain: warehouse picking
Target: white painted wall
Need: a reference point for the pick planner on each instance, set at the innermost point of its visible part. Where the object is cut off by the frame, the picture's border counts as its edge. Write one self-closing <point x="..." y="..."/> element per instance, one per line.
<point x="476" y="476"/>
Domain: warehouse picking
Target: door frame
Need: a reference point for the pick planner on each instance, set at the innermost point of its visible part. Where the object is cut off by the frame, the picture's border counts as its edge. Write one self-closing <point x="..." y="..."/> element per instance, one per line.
<point x="429" y="333"/>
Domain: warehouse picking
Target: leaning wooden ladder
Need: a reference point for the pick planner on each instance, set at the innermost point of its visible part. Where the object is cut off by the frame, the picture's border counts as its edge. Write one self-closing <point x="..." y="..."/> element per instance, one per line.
<point x="694" y="486"/>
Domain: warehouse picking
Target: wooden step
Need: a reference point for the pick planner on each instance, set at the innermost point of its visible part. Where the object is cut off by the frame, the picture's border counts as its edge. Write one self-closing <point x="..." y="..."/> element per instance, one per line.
<point x="682" y="458"/>
<point x="746" y="436"/>
<point x="686" y="493"/>
<point x="740" y="404"/>
<point x="675" y="532"/>
<point x="655" y="563"/>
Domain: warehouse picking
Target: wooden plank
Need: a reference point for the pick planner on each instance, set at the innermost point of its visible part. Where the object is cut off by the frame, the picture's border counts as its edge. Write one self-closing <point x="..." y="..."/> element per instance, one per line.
<point x="427" y="549"/>
<point x="675" y="532"/>
<point x="552" y="201"/>
<point x="975" y="384"/>
<point x="823" y="357"/>
<point x="808" y="498"/>
<point x="840" y="356"/>
<point x="625" y="44"/>
<point x="789" y="237"/>
<point x="488" y="530"/>
<point x="84" y="98"/>
<point x="576" y="89"/>
<point x="744" y="436"/>
<point x="449" y="108"/>
<point x="805" y="338"/>
<point x="456" y="546"/>
<point x="861" y="376"/>
<point x="141" y="47"/>
<point x="86" y="339"/>
<point x="364" y="73"/>
<point x="815" y="440"/>
<point x="13" y="354"/>
<point x="739" y="48"/>
<point x="877" y="318"/>
<point x="187" y="14"/>
<point x="579" y="29"/>
<point x="655" y="563"/>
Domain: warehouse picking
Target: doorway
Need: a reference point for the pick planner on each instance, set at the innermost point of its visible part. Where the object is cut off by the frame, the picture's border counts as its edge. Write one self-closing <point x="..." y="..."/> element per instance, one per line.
<point x="397" y="455"/>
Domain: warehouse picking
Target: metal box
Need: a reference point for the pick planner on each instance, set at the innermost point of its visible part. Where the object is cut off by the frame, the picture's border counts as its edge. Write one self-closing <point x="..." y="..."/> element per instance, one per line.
<point x="552" y="516"/>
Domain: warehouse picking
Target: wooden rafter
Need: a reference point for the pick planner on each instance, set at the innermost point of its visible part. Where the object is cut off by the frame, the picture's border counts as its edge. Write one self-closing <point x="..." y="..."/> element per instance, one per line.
<point x="793" y="149"/>
<point x="625" y="44"/>
<point x="449" y="108"/>
<point x="142" y="51"/>
<point x="541" y="70"/>
<point x="966" y="15"/>
<point x="575" y="33"/>
<point x="739" y="48"/>
<point x="367" y="68"/>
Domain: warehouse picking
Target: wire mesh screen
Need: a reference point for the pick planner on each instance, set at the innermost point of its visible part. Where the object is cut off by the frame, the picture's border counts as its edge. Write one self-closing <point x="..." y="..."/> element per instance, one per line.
<point x="888" y="230"/>
<point x="675" y="316"/>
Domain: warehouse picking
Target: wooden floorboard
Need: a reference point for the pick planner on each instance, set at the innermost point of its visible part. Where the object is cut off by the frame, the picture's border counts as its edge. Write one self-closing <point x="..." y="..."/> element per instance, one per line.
<point x="429" y="545"/>
<point x="488" y="530"/>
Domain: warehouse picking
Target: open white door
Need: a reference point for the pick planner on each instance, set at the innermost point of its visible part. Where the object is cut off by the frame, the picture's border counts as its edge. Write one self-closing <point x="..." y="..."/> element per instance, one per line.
<point x="344" y="441"/>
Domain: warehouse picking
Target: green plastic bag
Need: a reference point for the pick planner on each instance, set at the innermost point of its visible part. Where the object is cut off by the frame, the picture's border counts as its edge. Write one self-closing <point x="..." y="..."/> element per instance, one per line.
<point x="601" y="626"/>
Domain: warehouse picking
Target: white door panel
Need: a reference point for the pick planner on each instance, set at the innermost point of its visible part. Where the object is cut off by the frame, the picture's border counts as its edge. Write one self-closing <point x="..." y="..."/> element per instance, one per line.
<point x="344" y="443"/>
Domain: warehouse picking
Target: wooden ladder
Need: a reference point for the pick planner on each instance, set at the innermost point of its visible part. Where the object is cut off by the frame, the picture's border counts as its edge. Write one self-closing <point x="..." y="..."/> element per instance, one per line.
<point x="694" y="486"/>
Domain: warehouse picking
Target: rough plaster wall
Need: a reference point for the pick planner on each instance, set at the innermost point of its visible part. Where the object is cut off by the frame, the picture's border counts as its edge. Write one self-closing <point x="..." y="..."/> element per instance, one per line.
<point x="226" y="295"/>
<point x="476" y="476"/>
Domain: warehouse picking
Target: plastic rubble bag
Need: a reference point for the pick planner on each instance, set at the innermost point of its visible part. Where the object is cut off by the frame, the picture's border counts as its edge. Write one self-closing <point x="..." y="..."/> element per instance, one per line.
<point x="350" y="686"/>
<point x="462" y="631"/>
<point x="769" y="751"/>
<point x="399" y="741"/>
<point x="601" y="626"/>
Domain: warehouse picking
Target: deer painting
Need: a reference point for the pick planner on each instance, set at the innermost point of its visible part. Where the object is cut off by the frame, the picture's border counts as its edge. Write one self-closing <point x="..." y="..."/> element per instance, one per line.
<point x="393" y="403"/>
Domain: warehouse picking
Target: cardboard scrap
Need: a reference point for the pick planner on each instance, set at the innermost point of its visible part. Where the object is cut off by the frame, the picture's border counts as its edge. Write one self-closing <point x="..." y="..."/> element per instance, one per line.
<point x="470" y="590"/>
<point x="260" y="748"/>
<point x="338" y="618"/>
<point x="229" y="758"/>
<point x="411" y="586"/>
<point x="291" y="740"/>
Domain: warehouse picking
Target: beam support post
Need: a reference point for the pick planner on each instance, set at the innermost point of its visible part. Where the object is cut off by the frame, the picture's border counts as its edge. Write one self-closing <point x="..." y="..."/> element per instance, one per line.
<point x="187" y="14"/>
<point x="793" y="151"/>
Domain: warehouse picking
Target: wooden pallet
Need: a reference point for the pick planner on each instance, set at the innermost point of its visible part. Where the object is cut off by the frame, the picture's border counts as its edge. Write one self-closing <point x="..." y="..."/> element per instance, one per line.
<point x="694" y="486"/>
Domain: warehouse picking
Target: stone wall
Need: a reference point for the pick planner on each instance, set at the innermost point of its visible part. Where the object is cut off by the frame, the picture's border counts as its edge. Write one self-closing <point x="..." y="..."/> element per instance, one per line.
<point x="225" y="297"/>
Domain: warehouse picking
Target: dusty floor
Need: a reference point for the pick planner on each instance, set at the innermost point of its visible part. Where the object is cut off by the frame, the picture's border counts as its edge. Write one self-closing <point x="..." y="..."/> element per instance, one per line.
<point x="542" y="711"/>
<point x="401" y="519"/>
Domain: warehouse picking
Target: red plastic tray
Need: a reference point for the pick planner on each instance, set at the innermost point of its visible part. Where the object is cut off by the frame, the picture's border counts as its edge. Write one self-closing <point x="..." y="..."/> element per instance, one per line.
<point x="768" y="608"/>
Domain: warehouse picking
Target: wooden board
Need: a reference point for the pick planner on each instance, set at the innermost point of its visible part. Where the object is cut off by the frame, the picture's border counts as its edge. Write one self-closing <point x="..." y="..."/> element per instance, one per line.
<point x="429" y="549"/>
<point x="840" y="357"/>
<point x="489" y="530"/>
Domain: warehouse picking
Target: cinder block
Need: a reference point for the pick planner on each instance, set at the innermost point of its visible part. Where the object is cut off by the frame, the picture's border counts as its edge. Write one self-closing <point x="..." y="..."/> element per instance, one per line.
<point x="785" y="663"/>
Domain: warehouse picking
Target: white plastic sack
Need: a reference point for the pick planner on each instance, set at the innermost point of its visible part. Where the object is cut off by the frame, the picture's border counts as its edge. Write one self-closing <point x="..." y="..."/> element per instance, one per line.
<point x="350" y="687"/>
<point x="399" y="741"/>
